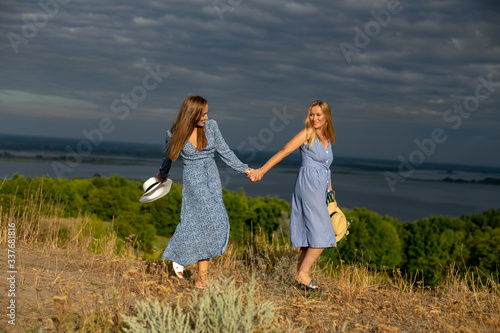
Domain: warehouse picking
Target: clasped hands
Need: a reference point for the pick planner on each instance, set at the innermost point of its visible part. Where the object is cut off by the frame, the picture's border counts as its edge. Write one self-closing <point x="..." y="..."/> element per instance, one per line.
<point x="254" y="175"/>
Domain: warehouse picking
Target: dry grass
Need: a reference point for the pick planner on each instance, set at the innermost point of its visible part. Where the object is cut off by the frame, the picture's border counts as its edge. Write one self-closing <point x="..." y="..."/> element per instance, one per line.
<point x="69" y="281"/>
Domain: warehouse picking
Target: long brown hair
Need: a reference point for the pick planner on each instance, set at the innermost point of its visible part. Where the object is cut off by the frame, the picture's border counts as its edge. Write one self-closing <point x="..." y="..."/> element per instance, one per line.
<point x="190" y="114"/>
<point x="328" y="130"/>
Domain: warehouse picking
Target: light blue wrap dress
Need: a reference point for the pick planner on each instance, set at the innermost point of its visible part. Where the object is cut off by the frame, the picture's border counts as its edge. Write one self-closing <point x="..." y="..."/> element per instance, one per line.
<point x="203" y="232"/>
<point x="310" y="223"/>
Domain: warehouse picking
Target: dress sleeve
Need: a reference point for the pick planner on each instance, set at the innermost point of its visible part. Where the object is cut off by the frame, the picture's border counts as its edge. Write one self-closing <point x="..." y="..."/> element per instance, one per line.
<point x="166" y="163"/>
<point x="226" y="153"/>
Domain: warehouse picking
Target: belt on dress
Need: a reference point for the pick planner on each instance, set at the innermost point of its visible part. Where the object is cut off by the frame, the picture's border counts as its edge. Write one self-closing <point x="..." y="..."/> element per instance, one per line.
<point x="316" y="165"/>
<point x="203" y="160"/>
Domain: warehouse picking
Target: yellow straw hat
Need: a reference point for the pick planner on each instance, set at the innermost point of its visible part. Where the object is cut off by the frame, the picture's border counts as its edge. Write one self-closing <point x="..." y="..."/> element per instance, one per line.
<point x="339" y="221"/>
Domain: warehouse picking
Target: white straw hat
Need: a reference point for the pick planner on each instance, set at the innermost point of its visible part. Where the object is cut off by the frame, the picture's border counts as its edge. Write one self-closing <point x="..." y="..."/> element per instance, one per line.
<point x="153" y="189"/>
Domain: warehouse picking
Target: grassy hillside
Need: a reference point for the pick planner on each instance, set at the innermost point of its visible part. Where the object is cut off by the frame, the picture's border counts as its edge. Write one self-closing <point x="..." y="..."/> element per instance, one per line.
<point x="73" y="274"/>
<point x="427" y="247"/>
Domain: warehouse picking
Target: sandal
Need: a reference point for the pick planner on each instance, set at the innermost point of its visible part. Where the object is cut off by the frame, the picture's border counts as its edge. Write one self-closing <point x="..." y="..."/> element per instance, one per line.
<point x="312" y="286"/>
<point x="178" y="269"/>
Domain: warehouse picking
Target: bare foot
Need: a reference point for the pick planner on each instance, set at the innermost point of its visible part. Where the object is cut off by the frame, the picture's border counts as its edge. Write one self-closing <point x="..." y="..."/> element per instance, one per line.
<point x="303" y="278"/>
<point x="201" y="284"/>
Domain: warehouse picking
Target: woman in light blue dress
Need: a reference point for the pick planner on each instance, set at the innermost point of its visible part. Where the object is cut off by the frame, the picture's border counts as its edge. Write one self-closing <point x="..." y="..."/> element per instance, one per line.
<point x="203" y="231"/>
<point x="310" y="224"/>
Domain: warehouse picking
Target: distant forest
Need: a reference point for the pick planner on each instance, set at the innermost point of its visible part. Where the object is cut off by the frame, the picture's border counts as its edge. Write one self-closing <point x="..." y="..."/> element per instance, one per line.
<point x="109" y="152"/>
<point x="39" y="145"/>
<point x="425" y="247"/>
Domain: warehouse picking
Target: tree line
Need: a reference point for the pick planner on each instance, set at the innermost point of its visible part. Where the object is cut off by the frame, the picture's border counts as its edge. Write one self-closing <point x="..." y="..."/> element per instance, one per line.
<point x="426" y="247"/>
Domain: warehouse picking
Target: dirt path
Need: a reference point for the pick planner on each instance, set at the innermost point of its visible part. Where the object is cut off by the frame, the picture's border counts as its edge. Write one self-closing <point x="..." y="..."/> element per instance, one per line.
<point x="54" y="287"/>
<point x="64" y="291"/>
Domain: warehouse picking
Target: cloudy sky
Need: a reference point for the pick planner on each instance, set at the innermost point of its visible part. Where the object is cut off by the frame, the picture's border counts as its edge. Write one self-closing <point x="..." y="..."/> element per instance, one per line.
<point x="401" y="77"/>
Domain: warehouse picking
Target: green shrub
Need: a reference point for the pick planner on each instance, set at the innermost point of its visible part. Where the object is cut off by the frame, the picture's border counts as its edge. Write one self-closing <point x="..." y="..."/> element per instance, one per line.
<point x="220" y="308"/>
<point x="153" y="316"/>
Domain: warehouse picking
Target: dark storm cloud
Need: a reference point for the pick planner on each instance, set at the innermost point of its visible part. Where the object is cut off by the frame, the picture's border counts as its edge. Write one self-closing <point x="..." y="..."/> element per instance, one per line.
<point x="249" y="57"/>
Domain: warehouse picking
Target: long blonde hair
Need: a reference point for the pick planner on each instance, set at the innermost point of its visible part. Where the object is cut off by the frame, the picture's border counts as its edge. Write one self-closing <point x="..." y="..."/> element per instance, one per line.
<point x="190" y="114"/>
<point x="328" y="130"/>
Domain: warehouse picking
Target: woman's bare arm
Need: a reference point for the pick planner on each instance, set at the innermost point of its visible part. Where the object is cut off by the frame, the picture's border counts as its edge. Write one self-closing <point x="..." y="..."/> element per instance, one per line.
<point x="290" y="147"/>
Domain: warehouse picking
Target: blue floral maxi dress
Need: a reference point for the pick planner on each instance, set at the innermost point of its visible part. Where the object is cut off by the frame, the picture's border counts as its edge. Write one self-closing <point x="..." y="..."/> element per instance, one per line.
<point x="203" y="232"/>
<point x="310" y="223"/>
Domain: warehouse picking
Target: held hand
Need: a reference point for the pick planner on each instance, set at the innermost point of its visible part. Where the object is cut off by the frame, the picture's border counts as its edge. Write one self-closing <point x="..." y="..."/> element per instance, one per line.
<point x="256" y="175"/>
<point x="251" y="175"/>
<point x="159" y="178"/>
<point x="330" y="198"/>
<point x="248" y="172"/>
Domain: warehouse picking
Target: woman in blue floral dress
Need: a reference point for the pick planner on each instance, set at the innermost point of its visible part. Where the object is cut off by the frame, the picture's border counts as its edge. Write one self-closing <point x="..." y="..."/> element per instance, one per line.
<point x="203" y="231"/>
<point x="311" y="228"/>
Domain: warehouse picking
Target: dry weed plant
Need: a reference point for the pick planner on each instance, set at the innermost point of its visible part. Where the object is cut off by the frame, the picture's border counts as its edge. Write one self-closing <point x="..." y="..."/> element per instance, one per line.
<point x="69" y="280"/>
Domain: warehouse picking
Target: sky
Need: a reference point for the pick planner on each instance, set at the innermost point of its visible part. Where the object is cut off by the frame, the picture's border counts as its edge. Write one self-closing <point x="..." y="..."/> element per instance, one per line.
<point x="415" y="81"/>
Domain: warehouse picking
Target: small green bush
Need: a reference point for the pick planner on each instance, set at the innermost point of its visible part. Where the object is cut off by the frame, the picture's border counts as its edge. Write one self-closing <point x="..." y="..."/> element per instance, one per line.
<point x="156" y="317"/>
<point x="223" y="307"/>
